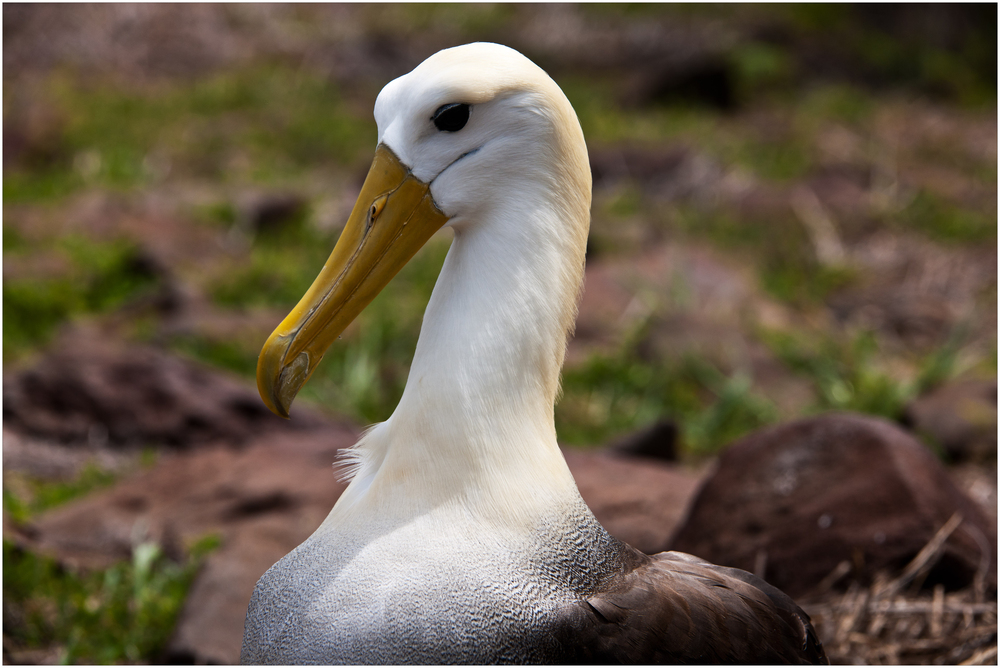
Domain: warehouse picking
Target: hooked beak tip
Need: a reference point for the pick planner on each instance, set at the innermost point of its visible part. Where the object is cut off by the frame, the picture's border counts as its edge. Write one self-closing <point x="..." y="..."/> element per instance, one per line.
<point x="277" y="381"/>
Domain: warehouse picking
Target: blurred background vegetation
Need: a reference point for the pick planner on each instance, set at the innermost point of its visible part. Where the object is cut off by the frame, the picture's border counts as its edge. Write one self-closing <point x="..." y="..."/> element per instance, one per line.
<point x="177" y="175"/>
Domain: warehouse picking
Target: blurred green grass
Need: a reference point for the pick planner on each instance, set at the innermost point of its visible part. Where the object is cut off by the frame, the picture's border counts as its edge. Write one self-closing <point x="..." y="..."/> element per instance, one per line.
<point x="122" y="614"/>
<point x="947" y="222"/>
<point x="610" y="395"/>
<point x="266" y="125"/>
<point x="274" y="125"/>
<point x="42" y="495"/>
<point x="278" y="125"/>
<point x="100" y="278"/>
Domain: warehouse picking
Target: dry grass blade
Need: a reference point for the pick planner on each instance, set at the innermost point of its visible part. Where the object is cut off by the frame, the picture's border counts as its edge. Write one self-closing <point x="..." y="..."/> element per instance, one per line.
<point x="888" y="623"/>
<point x="937" y="610"/>
<point x="984" y="559"/>
<point x="920" y="607"/>
<point x="826" y="584"/>
<point x="927" y="556"/>
<point x="982" y="657"/>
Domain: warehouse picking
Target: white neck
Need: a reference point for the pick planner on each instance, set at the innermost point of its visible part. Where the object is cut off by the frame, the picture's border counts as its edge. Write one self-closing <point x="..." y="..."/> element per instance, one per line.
<point x="475" y="423"/>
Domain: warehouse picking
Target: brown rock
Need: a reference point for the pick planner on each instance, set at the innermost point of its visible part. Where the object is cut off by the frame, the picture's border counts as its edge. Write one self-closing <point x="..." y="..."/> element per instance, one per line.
<point x="270" y="212"/>
<point x="97" y="393"/>
<point x="793" y="501"/>
<point x="657" y="441"/>
<point x="41" y="459"/>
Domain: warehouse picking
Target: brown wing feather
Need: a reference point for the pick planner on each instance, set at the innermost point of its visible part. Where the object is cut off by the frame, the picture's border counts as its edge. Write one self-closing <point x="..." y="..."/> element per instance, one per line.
<point x="675" y="608"/>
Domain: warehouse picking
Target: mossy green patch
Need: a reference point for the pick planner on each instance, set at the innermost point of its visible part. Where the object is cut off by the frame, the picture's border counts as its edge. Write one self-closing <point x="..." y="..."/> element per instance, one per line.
<point x="231" y="355"/>
<point x="725" y="229"/>
<point x="847" y="373"/>
<point x="611" y="395"/>
<point x="778" y="145"/>
<point x="42" y="495"/>
<point x="627" y="202"/>
<point x="779" y="160"/>
<point x="944" y="221"/>
<point x="941" y="364"/>
<point x="735" y="411"/>
<point x="836" y="102"/>
<point x="785" y="257"/>
<point x="101" y="277"/>
<point x="266" y="124"/>
<point x="761" y="67"/>
<point x="275" y="274"/>
<point x="844" y="375"/>
<point x="124" y="614"/>
<point x="14" y="242"/>
<point x="804" y="282"/>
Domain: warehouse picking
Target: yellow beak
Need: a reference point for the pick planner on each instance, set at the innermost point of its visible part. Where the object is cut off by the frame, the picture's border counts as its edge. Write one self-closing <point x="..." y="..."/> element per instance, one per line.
<point x="394" y="216"/>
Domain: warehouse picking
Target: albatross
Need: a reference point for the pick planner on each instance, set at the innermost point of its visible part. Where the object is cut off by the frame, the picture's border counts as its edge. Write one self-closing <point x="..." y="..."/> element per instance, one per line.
<point x="461" y="537"/>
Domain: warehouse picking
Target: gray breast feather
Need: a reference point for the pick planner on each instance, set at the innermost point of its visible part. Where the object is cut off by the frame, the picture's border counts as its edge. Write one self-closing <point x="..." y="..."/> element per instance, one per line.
<point x="569" y="594"/>
<point x="330" y="601"/>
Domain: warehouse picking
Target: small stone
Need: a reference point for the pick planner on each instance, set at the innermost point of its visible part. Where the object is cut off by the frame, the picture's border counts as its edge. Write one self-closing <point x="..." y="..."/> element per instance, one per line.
<point x="658" y="441"/>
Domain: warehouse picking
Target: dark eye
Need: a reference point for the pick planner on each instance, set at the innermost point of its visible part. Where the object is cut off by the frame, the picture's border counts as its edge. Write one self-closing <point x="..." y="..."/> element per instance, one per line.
<point x="451" y="117"/>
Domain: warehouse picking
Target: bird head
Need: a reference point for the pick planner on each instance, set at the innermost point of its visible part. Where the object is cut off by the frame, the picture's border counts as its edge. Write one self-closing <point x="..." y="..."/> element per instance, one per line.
<point x="471" y="130"/>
